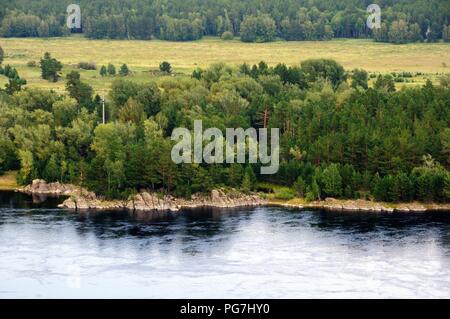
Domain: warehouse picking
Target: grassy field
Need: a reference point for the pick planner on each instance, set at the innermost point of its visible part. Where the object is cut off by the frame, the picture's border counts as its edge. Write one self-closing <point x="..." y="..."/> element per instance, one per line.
<point x="8" y="181"/>
<point x="142" y="56"/>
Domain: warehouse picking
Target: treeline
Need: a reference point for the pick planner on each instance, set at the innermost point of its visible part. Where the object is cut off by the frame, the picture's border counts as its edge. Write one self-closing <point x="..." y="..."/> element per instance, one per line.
<point x="338" y="137"/>
<point x="253" y="20"/>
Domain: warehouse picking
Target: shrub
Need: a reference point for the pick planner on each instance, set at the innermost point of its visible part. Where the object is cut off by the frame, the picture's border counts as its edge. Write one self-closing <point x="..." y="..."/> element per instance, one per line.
<point x="87" y="66"/>
<point x="124" y="71"/>
<point x="227" y="35"/>
<point x="165" y="67"/>
<point x="284" y="193"/>
<point x="103" y="71"/>
<point x="32" y="64"/>
<point x="111" y="69"/>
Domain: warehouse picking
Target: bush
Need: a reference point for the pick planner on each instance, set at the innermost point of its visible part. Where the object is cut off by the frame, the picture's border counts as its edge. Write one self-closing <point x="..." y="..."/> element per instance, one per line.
<point x="300" y="186"/>
<point x="284" y="194"/>
<point x="227" y="35"/>
<point x="165" y="67"/>
<point x="111" y="69"/>
<point x="124" y="71"/>
<point x="103" y="71"/>
<point x="32" y="64"/>
<point x="87" y="66"/>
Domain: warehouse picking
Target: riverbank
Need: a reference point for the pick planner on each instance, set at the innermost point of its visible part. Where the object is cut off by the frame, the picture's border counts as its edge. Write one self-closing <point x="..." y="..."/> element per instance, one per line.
<point x="8" y="181"/>
<point x="359" y="205"/>
<point x="82" y="199"/>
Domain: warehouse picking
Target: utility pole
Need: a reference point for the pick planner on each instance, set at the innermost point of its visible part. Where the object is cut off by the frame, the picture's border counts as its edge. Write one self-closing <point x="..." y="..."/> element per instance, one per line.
<point x="103" y="109"/>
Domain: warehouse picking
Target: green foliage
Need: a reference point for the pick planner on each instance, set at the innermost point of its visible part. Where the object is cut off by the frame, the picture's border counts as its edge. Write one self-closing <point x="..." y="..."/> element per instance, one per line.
<point x="15" y="82"/>
<point x="324" y="68"/>
<point x="14" y="85"/>
<point x="249" y="181"/>
<point x="445" y="34"/>
<point x="256" y="20"/>
<point x="227" y="35"/>
<point x="79" y="90"/>
<point x="87" y="66"/>
<point x="103" y="71"/>
<point x="180" y="29"/>
<point x="50" y="68"/>
<point x="334" y="141"/>
<point x="19" y="24"/>
<point x="124" y="71"/>
<point x="300" y="187"/>
<point x="284" y="193"/>
<point x="331" y="181"/>
<point x="132" y="112"/>
<point x="359" y="78"/>
<point x="2" y="55"/>
<point x="259" y="28"/>
<point x="313" y="191"/>
<point x="384" y="82"/>
<point x="111" y="69"/>
<point x="165" y="67"/>
<point x="401" y="32"/>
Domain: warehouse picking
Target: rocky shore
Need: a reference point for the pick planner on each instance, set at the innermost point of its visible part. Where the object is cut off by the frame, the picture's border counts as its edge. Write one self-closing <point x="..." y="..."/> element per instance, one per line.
<point x="41" y="187"/>
<point x="359" y="205"/>
<point x="82" y="199"/>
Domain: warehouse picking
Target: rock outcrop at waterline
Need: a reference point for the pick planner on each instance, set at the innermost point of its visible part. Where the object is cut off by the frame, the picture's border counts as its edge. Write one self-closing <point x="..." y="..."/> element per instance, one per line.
<point x="82" y="199"/>
<point x="41" y="187"/>
<point x="146" y="201"/>
<point x="359" y="205"/>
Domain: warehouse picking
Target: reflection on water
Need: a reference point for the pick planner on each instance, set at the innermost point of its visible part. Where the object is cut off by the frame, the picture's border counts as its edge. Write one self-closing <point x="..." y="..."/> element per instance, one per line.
<point x="262" y="252"/>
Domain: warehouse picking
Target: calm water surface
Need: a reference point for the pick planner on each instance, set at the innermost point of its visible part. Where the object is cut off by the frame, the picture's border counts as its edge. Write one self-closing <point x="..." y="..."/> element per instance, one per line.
<point x="253" y="253"/>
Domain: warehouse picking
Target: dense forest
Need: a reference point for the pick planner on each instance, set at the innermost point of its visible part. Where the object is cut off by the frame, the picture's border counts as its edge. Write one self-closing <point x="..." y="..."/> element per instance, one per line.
<point x="252" y="20"/>
<point x="338" y="137"/>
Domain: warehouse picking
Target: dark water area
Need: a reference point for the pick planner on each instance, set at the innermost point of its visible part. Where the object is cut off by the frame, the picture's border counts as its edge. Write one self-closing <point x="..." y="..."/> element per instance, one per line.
<point x="241" y="253"/>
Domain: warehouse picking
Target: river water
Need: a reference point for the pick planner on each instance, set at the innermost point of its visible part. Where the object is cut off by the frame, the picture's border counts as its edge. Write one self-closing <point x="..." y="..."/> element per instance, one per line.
<point x="46" y="252"/>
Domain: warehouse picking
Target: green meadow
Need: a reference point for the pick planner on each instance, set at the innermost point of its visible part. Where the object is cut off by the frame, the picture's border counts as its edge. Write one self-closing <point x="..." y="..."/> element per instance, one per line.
<point x="429" y="60"/>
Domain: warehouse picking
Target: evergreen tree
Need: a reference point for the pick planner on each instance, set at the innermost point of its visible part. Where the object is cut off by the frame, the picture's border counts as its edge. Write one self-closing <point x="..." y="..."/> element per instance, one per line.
<point x="332" y="181"/>
<point x="165" y="67"/>
<point x="300" y="187"/>
<point x="111" y="69"/>
<point x="50" y="68"/>
<point x="246" y="185"/>
<point x="103" y="71"/>
<point x="385" y="82"/>
<point x="14" y="85"/>
<point x="359" y="78"/>
<point x="124" y="71"/>
<point x="79" y="90"/>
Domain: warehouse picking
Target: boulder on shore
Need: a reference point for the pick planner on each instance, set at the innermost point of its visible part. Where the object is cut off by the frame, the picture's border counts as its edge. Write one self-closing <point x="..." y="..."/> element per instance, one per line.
<point x="41" y="187"/>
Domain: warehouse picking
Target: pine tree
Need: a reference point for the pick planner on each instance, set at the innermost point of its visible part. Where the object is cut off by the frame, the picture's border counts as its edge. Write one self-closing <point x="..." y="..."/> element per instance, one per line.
<point x="124" y="71"/>
<point x="50" y="68"/>
<point x="332" y="181"/>
<point x="246" y="185"/>
<point x="300" y="186"/>
<point x="111" y="69"/>
<point x="103" y="71"/>
<point x="165" y="67"/>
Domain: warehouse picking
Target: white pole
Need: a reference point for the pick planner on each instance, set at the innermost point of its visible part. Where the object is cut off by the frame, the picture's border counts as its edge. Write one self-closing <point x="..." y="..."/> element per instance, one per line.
<point x="103" y="109"/>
